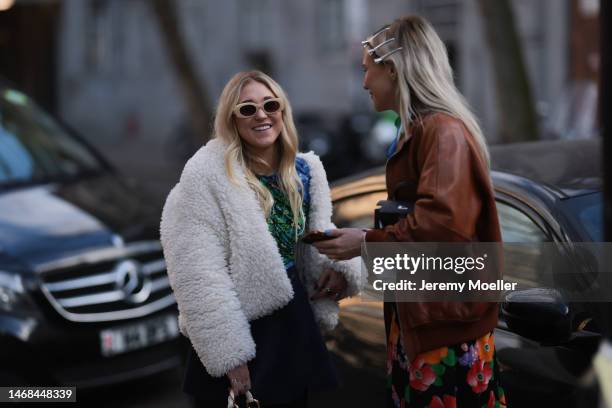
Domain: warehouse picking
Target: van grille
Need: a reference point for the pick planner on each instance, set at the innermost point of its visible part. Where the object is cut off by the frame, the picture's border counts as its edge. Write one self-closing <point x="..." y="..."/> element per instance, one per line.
<point x="109" y="284"/>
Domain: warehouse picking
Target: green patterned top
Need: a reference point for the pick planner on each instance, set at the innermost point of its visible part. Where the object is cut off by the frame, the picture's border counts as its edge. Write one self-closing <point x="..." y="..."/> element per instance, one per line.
<point x="280" y="222"/>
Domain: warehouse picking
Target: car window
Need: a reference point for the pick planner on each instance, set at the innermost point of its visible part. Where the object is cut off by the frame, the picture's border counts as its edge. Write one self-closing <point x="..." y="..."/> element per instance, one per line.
<point x="33" y="147"/>
<point x="357" y="211"/>
<point x="523" y="263"/>
<point x="586" y="212"/>
<point x="591" y="218"/>
<point x="516" y="226"/>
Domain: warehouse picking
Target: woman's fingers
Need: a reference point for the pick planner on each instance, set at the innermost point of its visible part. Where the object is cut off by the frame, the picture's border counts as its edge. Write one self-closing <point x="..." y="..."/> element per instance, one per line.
<point x="343" y="292"/>
<point x="333" y="232"/>
<point x="324" y="280"/>
<point x="330" y="243"/>
<point x="331" y="284"/>
<point x="325" y="245"/>
<point x="323" y="285"/>
<point x="240" y="379"/>
<point x="332" y="248"/>
<point x="346" y="245"/>
<point x="321" y="293"/>
<point x="240" y="387"/>
<point x="339" y="284"/>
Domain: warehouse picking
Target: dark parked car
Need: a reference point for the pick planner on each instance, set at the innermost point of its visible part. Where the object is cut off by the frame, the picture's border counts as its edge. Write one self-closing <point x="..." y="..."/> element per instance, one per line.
<point x="84" y="295"/>
<point x="543" y="347"/>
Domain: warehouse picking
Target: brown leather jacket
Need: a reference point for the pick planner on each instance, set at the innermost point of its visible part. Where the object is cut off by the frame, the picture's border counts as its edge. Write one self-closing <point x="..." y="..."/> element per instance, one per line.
<point x="454" y="202"/>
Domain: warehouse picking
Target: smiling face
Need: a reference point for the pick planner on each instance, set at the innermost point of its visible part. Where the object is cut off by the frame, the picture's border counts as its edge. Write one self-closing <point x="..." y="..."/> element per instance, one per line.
<point x="260" y="131"/>
<point x="378" y="80"/>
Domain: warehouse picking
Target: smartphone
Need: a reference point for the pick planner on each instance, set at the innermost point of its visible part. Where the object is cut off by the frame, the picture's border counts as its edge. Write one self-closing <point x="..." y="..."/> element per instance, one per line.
<point x="315" y="236"/>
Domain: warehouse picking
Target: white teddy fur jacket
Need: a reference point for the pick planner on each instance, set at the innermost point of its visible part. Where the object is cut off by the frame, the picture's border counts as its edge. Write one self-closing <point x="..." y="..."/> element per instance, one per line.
<point x="223" y="264"/>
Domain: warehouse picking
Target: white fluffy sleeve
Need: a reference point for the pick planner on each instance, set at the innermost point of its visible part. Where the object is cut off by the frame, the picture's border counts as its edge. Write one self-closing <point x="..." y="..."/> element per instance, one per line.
<point x="194" y="243"/>
<point x="320" y="219"/>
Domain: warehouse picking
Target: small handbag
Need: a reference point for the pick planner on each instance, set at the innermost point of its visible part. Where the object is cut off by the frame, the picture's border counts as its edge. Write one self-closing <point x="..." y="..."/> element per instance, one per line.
<point x="391" y="211"/>
<point x="251" y="402"/>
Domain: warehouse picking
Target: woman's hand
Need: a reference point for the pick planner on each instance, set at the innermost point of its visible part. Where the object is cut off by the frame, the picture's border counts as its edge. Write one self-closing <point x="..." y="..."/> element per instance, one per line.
<point x="331" y="284"/>
<point x="345" y="245"/>
<point x="240" y="379"/>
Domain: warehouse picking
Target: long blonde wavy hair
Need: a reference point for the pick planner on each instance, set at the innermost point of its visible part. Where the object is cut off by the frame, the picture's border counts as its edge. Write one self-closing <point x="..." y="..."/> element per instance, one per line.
<point x="237" y="152"/>
<point x="425" y="76"/>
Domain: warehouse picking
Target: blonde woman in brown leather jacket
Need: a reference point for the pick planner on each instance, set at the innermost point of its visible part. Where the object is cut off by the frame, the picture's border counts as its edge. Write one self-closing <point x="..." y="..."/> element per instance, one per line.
<point x="448" y="360"/>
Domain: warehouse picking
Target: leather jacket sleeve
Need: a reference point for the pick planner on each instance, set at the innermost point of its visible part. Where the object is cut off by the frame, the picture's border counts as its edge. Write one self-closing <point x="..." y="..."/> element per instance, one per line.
<point x="448" y="202"/>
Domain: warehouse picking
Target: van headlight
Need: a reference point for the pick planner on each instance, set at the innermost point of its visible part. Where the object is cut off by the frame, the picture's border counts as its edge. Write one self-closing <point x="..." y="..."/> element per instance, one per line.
<point x="12" y="292"/>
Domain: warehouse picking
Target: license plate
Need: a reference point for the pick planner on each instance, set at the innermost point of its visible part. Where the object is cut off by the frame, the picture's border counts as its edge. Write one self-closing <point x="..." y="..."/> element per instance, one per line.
<point x="139" y="335"/>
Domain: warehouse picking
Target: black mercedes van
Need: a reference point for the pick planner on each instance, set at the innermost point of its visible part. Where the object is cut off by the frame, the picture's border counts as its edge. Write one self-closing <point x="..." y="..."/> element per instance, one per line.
<point x="84" y="295"/>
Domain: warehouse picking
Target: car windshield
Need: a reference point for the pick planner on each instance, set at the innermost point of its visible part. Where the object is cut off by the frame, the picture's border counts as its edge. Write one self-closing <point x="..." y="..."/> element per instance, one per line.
<point x="34" y="148"/>
<point x="587" y="210"/>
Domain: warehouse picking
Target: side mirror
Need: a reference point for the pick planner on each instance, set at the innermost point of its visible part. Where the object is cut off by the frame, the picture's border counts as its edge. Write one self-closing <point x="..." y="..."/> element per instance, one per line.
<point x="539" y="314"/>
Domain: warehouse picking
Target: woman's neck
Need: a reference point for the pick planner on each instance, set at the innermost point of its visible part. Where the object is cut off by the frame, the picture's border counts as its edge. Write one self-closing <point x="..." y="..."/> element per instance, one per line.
<point x="270" y="155"/>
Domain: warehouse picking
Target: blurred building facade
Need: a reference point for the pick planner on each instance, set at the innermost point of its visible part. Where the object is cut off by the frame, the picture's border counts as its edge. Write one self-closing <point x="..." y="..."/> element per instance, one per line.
<point x="114" y="82"/>
<point x="28" y="47"/>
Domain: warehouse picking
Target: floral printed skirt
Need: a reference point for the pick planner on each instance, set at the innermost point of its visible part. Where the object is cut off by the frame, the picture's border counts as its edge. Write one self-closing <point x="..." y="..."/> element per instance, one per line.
<point x="465" y="375"/>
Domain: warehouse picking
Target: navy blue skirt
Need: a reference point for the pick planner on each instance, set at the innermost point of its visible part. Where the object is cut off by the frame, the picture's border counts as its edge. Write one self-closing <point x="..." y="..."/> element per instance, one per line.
<point x="291" y="358"/>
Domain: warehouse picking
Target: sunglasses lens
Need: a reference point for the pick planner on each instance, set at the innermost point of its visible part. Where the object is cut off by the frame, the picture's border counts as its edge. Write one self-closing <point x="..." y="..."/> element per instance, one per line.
<point x="248" y="110"/>
<point x="272" y="106"/>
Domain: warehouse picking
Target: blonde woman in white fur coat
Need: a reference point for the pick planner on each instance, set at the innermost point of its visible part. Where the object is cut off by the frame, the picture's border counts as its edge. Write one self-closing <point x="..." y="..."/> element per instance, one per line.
<point x="252" y="297"/>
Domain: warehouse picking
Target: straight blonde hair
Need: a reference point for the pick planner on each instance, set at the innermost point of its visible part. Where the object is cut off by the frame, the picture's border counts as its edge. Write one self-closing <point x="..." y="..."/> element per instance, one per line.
<point x="425" y="77"/>
<point x="236" y="152"/>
